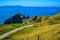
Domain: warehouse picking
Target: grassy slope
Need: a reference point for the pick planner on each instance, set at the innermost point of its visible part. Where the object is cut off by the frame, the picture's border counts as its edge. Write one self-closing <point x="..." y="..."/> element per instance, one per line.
<point x="8" y="27"/>
<point x="48" y="32"/>
<point x="56" y="18"/>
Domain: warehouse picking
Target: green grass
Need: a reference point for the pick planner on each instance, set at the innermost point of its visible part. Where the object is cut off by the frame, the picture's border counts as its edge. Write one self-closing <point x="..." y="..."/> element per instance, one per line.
<point x="48" y="32"/>
<point x="49" y="29"/>
<point x="8" y="27"/>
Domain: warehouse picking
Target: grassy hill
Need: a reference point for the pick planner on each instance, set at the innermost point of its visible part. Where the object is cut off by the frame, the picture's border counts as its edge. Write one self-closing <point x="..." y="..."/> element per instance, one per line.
<point x="48" y="32"/>
<point x="49" y="29"/>
<point x="56" y="18"/>
<point x="8" y="27"/>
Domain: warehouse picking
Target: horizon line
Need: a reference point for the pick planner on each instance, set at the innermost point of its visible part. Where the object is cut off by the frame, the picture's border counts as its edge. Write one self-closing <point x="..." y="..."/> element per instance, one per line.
<point x="28" y="6"/>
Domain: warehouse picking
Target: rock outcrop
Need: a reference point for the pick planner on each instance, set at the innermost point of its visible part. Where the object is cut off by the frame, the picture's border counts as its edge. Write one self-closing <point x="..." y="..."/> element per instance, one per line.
<point x="15" y="19"/>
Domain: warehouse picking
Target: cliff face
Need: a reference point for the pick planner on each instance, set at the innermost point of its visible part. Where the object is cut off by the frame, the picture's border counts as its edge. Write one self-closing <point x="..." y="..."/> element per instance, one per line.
<point x="15" y="19"/>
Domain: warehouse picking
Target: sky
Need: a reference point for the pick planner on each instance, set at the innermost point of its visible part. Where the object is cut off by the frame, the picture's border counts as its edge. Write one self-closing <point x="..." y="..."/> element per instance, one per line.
<point x="30" y="2"/>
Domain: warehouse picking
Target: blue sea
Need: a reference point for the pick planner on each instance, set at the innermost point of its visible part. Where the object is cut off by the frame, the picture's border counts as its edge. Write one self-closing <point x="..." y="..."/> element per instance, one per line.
<point x="8" y="11"/>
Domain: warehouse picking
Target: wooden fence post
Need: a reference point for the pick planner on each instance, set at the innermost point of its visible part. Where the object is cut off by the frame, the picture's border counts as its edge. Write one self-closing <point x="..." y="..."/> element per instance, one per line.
<point x="38" y="37"/>
<point x="22" y="38"/>
<point x="27" y="38"/>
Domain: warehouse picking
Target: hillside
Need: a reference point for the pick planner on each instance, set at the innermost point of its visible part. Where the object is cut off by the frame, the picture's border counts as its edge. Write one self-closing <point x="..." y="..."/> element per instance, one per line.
<point x="48" y="32"/>
<point x="45" y="28"/>
<point x="57" y="16"/>
<point x="54" y="19"/>
<point x="4" y="28"/>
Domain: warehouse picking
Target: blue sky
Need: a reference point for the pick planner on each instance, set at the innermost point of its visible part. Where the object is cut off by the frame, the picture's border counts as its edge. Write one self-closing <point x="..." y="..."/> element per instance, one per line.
<point x="30" y="2"/>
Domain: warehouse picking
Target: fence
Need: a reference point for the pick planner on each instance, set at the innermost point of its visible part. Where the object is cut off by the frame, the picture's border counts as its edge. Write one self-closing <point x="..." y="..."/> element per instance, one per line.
<point x="27" y="38"/>
<point x="36" y="37"/>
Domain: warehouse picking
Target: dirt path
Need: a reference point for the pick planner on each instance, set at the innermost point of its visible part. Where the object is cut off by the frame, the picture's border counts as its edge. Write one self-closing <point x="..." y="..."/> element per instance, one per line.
<point x="13" y="31"/>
